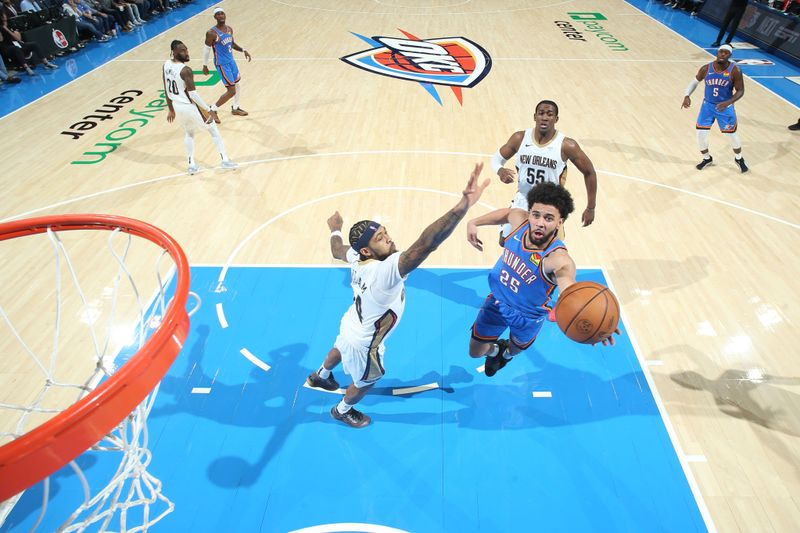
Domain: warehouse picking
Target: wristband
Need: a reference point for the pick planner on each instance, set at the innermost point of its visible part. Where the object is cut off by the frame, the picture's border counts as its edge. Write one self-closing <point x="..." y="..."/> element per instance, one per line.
<point x="337" y="233"/>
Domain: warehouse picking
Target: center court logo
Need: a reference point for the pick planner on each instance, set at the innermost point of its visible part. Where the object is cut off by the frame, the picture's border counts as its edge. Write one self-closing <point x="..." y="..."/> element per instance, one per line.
<point x="455" y="62"/>
<point x="592" y="25"/>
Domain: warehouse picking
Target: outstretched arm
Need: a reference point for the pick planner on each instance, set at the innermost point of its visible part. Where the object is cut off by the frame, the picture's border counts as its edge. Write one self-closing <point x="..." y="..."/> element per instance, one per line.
<point x="582" y="162"/>
<point x="437" y="232"/>
<point x="338" y="247"/>
<point x="510" y="215"/>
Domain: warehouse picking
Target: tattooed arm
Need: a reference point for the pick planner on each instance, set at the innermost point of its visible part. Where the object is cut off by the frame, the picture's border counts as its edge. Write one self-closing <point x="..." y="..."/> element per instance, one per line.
<point x="436" y="233"/>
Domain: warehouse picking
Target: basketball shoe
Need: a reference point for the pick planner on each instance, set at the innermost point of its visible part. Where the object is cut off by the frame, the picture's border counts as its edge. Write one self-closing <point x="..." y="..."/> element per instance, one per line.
<point x="742" y="164"/>
<point x="239" y="111"/>
<point x="229" y="165"/>
<point x="193" y="169"/>
<point x="353" y="418"/>
<point x="704" y="163"/>
<point x="329" y="384"/>
<point x="493" y="364"/>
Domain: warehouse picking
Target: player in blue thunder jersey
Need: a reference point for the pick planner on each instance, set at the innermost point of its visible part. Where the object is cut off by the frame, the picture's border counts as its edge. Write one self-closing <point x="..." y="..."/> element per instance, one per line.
<point x="534" y="261"/>
<point x="219" y="40"/>
<point x="724" y="85"/>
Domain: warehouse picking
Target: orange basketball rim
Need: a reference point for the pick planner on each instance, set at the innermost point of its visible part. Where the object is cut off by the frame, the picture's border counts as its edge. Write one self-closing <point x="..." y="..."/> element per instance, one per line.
<point x="43" y="450"/>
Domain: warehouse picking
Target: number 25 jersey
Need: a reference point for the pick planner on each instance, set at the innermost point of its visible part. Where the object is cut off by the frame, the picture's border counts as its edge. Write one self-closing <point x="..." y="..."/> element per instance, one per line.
<point x="517" y="279"/>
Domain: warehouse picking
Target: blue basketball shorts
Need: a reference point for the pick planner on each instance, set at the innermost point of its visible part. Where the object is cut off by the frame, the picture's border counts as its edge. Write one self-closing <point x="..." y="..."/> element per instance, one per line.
<point x="495" y="316"/>
<point x="726" y="119"/>
<point x="229" y="73"/>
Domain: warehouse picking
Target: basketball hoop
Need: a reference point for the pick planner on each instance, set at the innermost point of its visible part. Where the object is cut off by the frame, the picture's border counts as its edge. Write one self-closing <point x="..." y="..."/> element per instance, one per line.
<point x="124" y="396"/>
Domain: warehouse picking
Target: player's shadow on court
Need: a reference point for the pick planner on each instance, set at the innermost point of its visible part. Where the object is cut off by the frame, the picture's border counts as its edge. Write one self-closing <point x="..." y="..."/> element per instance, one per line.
<point x="742" y="394"/>
<point x="673" y="275"/>
<point x="749" y="396"/>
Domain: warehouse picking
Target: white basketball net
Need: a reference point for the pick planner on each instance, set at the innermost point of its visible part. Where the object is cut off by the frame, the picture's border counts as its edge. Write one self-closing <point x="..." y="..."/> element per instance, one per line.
<point x="131" y="487"/>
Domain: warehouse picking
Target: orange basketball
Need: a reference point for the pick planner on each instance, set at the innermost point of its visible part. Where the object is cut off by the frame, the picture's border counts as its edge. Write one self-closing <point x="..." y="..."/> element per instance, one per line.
<point x="587" y="312"/>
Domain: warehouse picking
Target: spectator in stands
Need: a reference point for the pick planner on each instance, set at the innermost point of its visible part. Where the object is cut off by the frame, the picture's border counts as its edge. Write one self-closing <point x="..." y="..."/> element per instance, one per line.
<point x="82" y="22"/>
<point x="732" y="19"/>
<point x="117" y="13"/>
<point x="145" y="8"/>
<point x="4" y="76"/>
<point x="104" y="22"/>
<point x="19" y="51"/>
<point x="30" y="5"/>
<point x="133" y="11"/>
<point x="9" y="9"/>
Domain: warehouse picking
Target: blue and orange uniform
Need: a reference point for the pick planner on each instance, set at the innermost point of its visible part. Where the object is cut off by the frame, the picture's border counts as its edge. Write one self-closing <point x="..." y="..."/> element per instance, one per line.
<point x="223" y="57"/>
<point x="520" y="293"/>
<point x="718" y="88"/>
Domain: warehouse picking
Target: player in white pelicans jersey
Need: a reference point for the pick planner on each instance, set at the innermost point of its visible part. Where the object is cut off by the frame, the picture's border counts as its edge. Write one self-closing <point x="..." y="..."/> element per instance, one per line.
<point x="378" y="272"/>
<point x="541" y="156"/>
<point x="186" y="105"/>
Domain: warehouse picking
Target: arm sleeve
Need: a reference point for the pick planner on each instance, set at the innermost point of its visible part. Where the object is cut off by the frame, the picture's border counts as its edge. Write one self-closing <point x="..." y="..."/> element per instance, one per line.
<point x="206" y="54"/>
<point x="497" y="162"/>
<point x="691" y="87"/>
<point x="197" y="100"/>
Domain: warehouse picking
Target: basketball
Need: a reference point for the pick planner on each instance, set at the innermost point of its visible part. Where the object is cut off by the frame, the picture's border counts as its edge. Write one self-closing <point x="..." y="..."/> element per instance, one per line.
<point x="587" y="312"/>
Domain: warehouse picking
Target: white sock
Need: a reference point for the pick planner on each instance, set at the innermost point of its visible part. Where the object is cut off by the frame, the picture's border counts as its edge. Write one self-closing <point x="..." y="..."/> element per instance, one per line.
<point x="495" y="349"/>
<point x="236" y="96"/>
<point x="343" y="407"/>
<point x="217" y="138"/>
<point x="323" y="372"/>
<point x="188" y="144"/>
<point x="737" y="156"/>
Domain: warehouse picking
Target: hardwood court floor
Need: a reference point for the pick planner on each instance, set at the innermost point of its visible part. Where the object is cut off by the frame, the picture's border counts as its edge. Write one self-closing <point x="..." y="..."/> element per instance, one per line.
<point x="703" y="262"/>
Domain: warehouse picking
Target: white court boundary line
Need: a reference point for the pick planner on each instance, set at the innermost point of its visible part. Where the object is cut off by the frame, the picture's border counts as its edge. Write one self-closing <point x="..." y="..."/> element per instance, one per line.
<point x="682" y="457"/>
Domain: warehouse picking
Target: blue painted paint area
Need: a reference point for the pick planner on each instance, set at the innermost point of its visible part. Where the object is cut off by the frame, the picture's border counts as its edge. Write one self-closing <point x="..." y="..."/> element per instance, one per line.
<point x="261" y="452"/>
<point x="703" y="33"/>
<point x="95" y="55"/>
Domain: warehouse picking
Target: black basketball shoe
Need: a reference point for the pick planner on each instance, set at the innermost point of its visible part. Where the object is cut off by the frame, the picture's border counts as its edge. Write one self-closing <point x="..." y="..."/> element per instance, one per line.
<point x="742" y="165"/>
<point x="493" y="364"/>
<point x="315" y="380"/>
<point x="704" y="163"/>
<point x="353" y="418"/>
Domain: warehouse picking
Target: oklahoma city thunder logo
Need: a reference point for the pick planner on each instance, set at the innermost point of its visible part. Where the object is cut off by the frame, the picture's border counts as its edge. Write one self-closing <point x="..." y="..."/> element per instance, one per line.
<point x="452" y="61"/>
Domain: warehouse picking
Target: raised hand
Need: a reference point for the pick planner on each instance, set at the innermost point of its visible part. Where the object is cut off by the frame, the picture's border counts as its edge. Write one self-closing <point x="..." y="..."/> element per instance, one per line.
<point x="335" y="222"/>
<point x="474" y="190"/>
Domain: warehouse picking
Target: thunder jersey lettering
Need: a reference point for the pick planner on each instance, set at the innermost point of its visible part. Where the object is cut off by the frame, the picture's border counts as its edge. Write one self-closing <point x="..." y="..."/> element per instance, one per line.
<point x="517" y="278"/>
<point x="537" y="164"/>
<point x="719" y="85"/>
<point x="176" y="89"/>
<point x="378" y="301"/>
<point x="223" y="47"/>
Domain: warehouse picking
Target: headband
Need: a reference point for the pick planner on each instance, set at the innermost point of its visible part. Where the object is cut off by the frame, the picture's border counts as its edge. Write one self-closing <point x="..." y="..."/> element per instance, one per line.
<point x="727" y="47"/>
<point x="218" y="10"/>
<point x="363" y="241"/>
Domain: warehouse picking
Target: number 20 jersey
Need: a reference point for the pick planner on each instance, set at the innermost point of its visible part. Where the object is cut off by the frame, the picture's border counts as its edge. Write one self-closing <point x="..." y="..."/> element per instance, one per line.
<point x="174" y="83"/>
<point x="537" y="164"/>
<point x="517" y="279"/>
